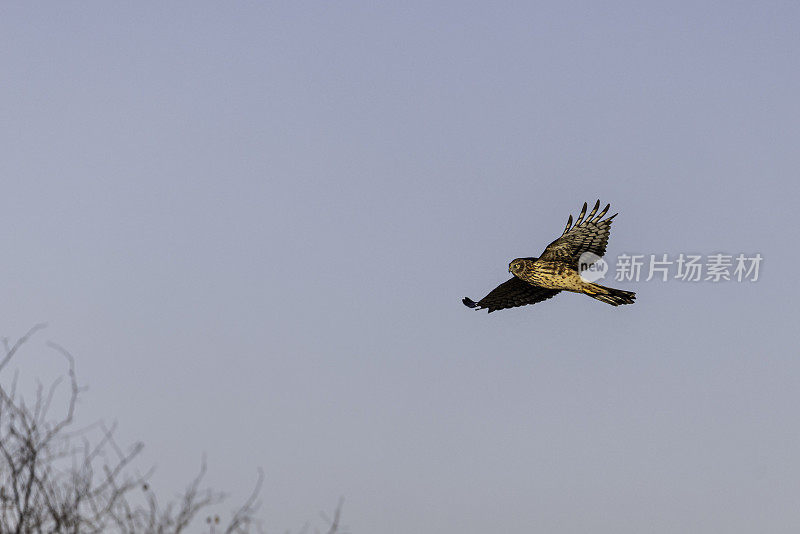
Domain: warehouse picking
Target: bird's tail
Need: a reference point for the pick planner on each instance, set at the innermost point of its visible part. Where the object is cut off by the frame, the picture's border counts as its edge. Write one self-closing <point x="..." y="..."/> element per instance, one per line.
<point x="609" y="295"/>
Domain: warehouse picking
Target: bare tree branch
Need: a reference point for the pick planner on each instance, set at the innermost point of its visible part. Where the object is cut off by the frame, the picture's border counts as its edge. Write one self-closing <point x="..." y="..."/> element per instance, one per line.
<point x="58" y="479"/>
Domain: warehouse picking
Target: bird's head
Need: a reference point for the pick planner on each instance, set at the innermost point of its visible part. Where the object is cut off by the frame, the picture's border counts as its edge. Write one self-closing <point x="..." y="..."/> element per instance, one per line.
<point x="517" y="266"/>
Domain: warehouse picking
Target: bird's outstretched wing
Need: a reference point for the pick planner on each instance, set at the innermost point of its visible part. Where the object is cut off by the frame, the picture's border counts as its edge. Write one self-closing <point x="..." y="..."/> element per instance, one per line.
<point x="510" y="294"/>
<point x="586" y="235"/>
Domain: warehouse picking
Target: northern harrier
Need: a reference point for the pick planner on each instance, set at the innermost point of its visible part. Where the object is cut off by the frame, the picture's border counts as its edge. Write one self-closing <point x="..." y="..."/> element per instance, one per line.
<point x="538" y="279"/>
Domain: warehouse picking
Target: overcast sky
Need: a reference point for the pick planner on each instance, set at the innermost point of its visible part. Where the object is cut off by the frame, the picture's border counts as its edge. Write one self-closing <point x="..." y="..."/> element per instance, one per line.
<point x="253" y="223"/>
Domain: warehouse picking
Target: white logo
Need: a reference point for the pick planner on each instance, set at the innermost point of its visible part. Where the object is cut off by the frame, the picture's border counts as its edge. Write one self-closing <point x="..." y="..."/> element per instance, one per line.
<point x="592" y="267"/>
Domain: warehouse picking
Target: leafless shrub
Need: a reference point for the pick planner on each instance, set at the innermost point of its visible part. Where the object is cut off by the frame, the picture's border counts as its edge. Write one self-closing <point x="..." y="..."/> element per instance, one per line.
<point x="58" y="479"/>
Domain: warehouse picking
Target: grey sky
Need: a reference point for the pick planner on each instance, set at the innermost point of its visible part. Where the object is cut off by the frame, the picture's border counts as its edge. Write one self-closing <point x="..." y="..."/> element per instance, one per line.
<point x="253" y="224"/>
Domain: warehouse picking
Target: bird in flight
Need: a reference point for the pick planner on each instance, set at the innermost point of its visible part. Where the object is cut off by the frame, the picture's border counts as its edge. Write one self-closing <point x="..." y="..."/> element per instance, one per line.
<point x="538" y="279"/>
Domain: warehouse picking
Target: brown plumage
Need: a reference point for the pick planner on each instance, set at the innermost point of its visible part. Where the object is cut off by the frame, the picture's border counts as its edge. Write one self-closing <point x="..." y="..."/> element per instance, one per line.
<point x="538" y="279"/>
